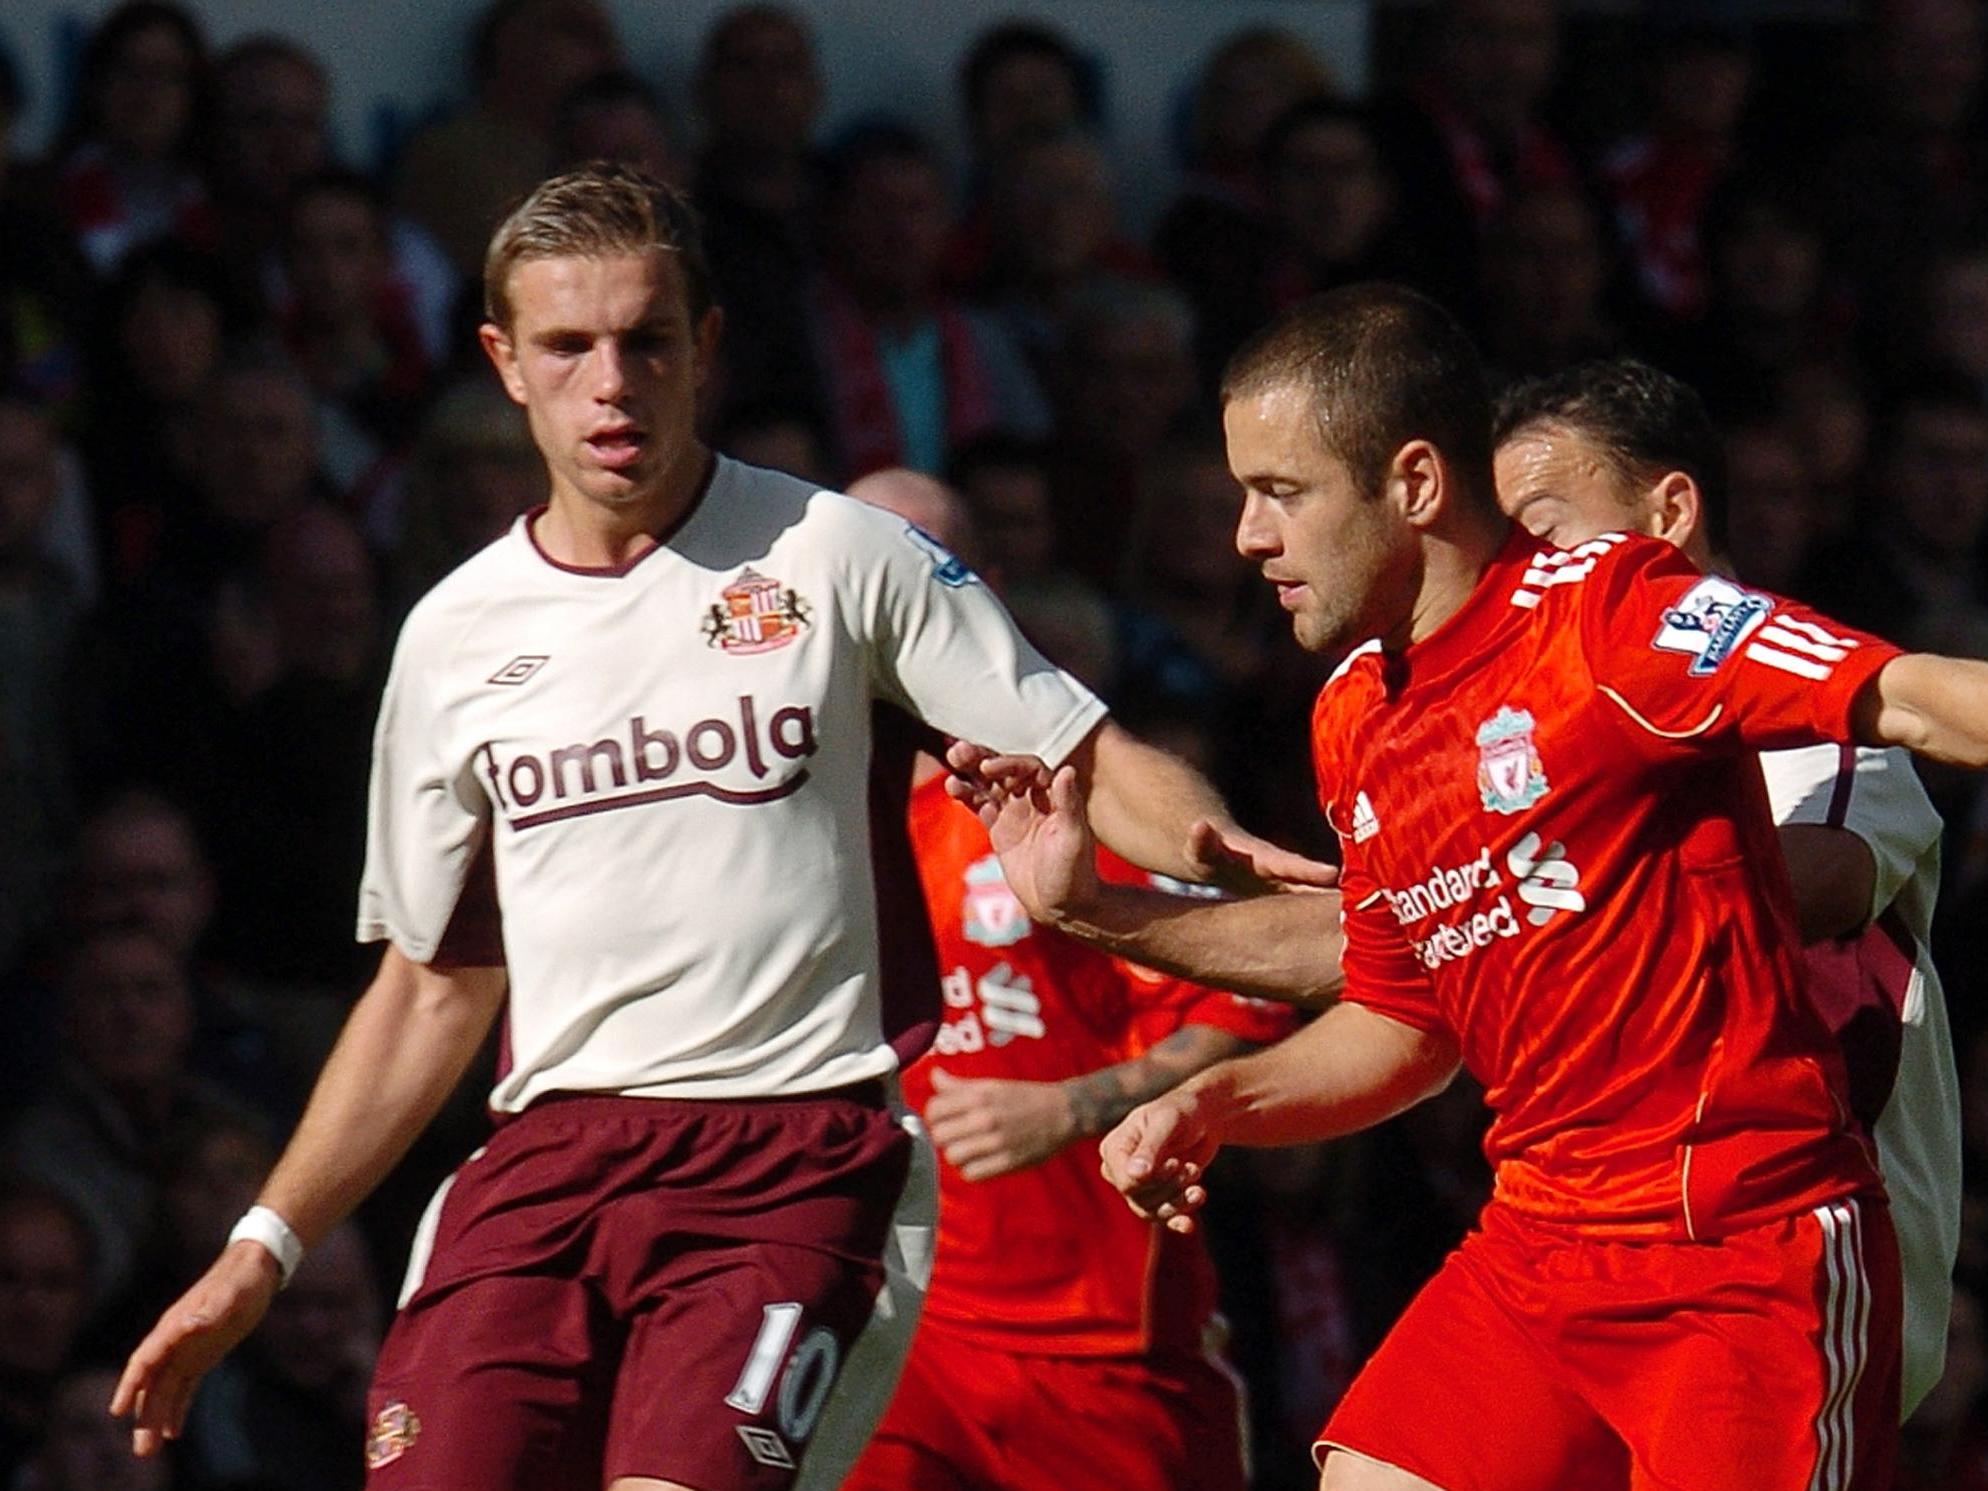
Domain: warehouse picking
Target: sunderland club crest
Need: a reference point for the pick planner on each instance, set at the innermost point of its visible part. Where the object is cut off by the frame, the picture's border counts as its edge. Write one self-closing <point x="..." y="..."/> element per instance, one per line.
<point x="391" y="1435"/>
<point x="1510" y="776"/>
<point x="755" y="614"/>
<point x="990" y="913"/>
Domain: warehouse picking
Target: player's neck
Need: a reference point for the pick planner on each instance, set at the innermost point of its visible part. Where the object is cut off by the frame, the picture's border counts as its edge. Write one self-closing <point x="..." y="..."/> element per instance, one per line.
<point x="1454" y="559"/>
<point x="575" y="530"/>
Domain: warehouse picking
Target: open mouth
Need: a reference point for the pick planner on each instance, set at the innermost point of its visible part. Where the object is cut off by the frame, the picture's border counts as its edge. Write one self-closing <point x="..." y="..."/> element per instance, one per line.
<point x="619" y="448"/>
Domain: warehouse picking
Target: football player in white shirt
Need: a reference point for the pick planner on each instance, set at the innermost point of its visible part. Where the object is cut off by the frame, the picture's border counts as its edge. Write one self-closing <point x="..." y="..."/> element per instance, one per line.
<point x="619" y="797"/>
<point x="1619" y="446"/>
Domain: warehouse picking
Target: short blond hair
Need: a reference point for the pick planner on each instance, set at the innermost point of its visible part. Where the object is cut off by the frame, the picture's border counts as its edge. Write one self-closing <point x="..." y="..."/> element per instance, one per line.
<point x="594" y="211"/>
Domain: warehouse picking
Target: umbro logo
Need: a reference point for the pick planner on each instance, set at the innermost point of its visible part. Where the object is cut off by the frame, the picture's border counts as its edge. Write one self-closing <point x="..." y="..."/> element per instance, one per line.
<point x="1366" y="823"/>
<point x="766" y="1447"/>
<point x="518" y="669"/>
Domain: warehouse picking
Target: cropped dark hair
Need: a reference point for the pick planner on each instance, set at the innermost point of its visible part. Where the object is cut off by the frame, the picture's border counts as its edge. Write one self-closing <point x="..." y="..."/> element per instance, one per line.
<point x="1639" y="419"/>
<point x="1014" y="39"/>
<point x="1381" y="365"/>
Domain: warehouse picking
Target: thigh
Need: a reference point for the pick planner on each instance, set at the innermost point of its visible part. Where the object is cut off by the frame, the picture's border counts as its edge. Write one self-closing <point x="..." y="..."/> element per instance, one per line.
<point x="1159" y="1425"/>
<point x="1766" y="1361"/>
<point x="1463" y="1395"/>
<point x="929" y="1439"/>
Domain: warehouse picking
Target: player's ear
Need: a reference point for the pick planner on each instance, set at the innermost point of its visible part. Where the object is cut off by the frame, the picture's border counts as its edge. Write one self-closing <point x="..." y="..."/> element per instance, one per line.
<point x="1678" y="512"/>
<point x="710" y="329"/>
<point x="503" y="355"/>
<point x="1419" y="480"/>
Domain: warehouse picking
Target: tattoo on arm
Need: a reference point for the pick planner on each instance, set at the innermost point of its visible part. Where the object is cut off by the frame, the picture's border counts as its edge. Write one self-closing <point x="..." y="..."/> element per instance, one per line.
<point x="1099" y="1099"/>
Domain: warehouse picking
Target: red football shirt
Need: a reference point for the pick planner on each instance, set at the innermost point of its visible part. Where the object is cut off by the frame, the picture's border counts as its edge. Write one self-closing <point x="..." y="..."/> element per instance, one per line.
<point x="1049" y="1259"/>
<point x="1558" y="848"/>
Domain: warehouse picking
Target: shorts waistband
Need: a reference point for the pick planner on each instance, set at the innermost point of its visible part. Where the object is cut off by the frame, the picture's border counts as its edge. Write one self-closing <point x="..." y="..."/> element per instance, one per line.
<point x="868" y="1094"/>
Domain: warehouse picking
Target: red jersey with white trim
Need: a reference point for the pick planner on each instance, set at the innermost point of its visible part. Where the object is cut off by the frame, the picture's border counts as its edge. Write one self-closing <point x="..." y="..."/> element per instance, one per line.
<point x="1050" y="1260"/>
<point x="1558" y="848"/>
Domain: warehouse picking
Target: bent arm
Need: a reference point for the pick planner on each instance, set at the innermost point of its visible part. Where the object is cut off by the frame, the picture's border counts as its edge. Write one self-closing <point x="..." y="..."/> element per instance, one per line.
<point x="1933" y="706"/>
<point x="1281" y="947"/>
<point x="404" y="1047"/>
<point x="1834" y="874"/>
<point x="1098" y="1100"/>
<point x="1348" y="1070"/>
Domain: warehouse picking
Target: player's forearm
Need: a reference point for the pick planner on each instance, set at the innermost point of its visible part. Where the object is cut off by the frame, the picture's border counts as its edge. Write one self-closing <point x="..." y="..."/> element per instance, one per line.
<point x="1348" y="1070"/>
<point x="1144" y="802"/>
<point x="1098" y="1100"/>
<point x="1933" y="706"/>
<point x="404" y="1047"/>
<point x="1282" y="947"/>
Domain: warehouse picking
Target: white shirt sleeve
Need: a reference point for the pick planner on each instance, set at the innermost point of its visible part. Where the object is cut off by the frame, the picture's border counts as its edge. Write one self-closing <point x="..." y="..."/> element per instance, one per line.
<point x="945" y="649"/>
<point x="1875" y="794"/>
<point x="425" y="814"/>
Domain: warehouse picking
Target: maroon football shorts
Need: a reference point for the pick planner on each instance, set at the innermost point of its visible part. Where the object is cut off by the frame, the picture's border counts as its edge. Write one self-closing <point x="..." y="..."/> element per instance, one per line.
<point x="639" y="1287"/>
<point x="971" y="1417"/>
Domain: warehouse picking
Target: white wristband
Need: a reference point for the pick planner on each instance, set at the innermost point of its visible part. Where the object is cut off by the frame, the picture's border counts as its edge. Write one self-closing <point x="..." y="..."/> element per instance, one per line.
<point x="261" y="1225"/>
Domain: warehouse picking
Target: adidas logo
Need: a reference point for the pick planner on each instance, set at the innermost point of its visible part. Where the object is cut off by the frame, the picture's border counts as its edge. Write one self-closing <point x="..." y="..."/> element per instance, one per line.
<point x="1365" y="823"/>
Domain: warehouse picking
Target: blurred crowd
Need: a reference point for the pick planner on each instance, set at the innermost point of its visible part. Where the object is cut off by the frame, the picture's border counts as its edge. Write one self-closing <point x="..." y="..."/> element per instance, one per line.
<point x="244" y="423"/>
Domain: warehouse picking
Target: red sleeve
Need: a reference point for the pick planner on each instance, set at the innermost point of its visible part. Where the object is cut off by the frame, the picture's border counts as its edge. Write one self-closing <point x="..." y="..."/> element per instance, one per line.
<point x="1698" y="662"/>
<point x="1382" y="970"/>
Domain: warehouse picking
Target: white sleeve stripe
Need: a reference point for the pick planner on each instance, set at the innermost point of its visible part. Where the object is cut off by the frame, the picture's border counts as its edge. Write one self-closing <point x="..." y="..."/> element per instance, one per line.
<point x="1810" y="629"/>
<point x="1525" y="600"/>
<point x="1698" y="729"/>
<point x="1564" y="574"/>
<point x="1787" y="662"/>
<point x="1829" y="652"/>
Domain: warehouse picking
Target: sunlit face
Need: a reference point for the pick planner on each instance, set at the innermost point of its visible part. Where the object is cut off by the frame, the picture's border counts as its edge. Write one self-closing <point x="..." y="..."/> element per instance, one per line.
<point x="604" y="357"/>
<point x="1345" y="563"/>
<point x="1556" y="484"/>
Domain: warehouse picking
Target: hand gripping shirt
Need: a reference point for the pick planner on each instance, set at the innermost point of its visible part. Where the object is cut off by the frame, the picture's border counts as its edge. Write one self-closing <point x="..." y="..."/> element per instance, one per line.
<point x="1049" y="1260"/>
<point x="1558" y="848"/>
<point x="663" y="770"/>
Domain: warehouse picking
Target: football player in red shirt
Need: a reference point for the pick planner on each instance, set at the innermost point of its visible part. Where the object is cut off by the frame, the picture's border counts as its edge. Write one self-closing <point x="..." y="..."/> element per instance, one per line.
<point x="1560" y="872"/>
<point x="1064" y="1342"/>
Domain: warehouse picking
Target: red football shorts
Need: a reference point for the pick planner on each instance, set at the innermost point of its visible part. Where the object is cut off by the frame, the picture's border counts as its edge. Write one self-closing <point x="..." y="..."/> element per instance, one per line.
<point x="640" y="1287"/>
<point x="968" y="1417"/>
<point x="1541" y="1360"/>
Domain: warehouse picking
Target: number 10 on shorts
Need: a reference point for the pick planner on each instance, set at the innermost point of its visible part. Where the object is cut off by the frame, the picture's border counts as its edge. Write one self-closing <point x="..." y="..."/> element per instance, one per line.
<point x="804" y="1385"/>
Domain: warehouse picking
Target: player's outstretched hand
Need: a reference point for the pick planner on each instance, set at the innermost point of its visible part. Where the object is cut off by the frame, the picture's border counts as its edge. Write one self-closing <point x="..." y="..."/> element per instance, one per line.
<point x="1048" y="853"/>
<point x="994" y="1126"/>
<point x="1240" y="861"/>
<point x="1157" y="1156"/>
<point x="200" y="1328"/>
<point x="982" y="778"/>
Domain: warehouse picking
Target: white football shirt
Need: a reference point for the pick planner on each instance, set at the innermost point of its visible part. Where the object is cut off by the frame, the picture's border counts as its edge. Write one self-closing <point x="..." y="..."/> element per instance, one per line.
<point x="1877" y="796"/>
<point x="667" y="765"/>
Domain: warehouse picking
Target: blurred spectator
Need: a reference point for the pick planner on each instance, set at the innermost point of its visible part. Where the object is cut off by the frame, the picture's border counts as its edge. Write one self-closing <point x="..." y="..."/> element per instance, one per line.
<point x="1020" y="80"/>
<point x="39" y="616"/>
<point x="1546" y="273"/>
<point x="45" y="1272"/>
<point x="1914" y="571"/>
<point x="1208" y="238"/>
<point x="139" y="862"/>
<point x="472" y="471"/>
<point x="123" y="1082"/>
<point x="1332" y="216"/>
<point x="616" y="116"/>
<point x="1661" y="179"/>
<point x="1005" y="483"/>
<point x="1770" y="306"/>
<point x="127" y="165"/>
<point x="1126" y="380"/>
<point x="459" y="176"/>
<point x="86" y="1449"/>
<point x="1824" y="406"/>
<point x="1471" y="130"/>
<point x="788" y="440"/>
<point x="297" y="754"/>
<point x="1049" y="224"/>
<point x="759" y="89"/>
<point x="161" y="328"/>
<point x="44" y="282"/>
<point x="1953" y="327"/>
<point x="271" y="136"/>
<point x="1914" y="171"/>
<point x="290" y="1407"/>
<point x="1771" y="525"/>
<point x="352" y="327"/>
<point x="909" y="372"/>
